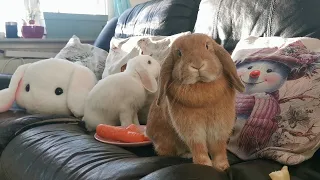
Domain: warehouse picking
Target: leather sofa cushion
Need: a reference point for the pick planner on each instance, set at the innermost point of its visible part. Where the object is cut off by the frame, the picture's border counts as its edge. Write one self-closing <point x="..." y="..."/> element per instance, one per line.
<point x="65" y="151"/>
<point x="58" y="150"/>
<point x="158" y="17"/>
<point x="229" y="21"/>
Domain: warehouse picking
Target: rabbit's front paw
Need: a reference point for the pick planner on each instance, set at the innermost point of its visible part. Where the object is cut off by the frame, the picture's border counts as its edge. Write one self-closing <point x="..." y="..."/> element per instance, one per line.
<point x="221" y="165"/>
<point x="203" y="160"/>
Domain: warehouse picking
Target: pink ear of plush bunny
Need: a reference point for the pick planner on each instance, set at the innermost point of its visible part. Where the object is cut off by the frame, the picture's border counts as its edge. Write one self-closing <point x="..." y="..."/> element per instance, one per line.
<point x="8" y="96"/>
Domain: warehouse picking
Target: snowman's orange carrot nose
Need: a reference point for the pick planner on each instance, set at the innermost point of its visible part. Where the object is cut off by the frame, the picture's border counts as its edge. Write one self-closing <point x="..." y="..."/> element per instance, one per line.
<point x="255" y="74"/>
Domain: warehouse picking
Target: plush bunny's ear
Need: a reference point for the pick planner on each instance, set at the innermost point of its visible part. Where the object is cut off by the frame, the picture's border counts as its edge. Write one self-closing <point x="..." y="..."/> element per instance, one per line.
<point x="8" y="96"/>
<point x="80" y="84"/>
<point x="148" y="81"/>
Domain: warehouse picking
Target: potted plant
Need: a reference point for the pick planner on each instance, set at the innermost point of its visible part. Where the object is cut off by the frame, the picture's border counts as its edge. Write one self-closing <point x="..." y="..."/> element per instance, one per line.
<point x="30" y="29"/>
<point x="32" y="16"/>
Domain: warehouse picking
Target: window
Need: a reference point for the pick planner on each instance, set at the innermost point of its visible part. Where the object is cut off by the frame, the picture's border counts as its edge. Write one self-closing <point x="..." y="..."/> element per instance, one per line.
<point x="98" y="7"/>
<point x="11" y="10"/>
<point x="16" y="10"/>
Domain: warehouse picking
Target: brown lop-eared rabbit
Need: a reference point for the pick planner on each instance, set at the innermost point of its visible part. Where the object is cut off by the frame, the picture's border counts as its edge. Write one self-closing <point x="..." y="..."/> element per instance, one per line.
<point x="194" y="111"/>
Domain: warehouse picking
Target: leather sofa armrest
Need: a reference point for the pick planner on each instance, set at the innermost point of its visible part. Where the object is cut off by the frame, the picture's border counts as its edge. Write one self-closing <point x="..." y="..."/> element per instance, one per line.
<point x="13" y="123"/>
<point x="187" y="171"/>
<point x="4" y="81"/>
<point x="105" y="36"/>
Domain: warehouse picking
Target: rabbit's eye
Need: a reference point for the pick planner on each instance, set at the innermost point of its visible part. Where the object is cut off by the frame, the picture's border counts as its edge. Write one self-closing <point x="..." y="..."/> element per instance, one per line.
<point x="179" y="53"/>
<point x="149" y="62"/>
<point x="207" y="46"/>
<point x="250" y="67"/>
<point x="58" y="91"/>
<point x="28" y="87"/>
<point x="269" y="70"/>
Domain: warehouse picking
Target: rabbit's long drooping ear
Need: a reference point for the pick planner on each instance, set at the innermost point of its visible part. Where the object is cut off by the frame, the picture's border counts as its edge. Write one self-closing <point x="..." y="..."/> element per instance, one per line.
<point x="80" y="84"/>
<point x="165" y="76"/>
<point x="8" y="96"/>
<point x="148" y="81"/>
<point x="229" y="67"/>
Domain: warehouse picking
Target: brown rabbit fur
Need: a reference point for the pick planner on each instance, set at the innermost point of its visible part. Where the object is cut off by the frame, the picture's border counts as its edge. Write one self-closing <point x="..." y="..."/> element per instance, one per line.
<point x="195" y="106"/>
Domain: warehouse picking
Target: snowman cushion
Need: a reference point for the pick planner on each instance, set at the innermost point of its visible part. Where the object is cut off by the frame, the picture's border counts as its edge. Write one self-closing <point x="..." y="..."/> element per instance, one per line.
<point x="278" y="115"/>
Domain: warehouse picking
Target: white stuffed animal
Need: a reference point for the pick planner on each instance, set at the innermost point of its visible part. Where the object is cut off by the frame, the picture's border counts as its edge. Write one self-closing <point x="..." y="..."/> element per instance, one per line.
<point x="50" y="86"/>
<point x="117" y="98"/>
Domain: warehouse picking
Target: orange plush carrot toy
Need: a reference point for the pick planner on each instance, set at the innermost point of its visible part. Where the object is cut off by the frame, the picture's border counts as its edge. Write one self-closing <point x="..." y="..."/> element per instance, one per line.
<point x="131" y="134"/>
<point x="133" y="128"/>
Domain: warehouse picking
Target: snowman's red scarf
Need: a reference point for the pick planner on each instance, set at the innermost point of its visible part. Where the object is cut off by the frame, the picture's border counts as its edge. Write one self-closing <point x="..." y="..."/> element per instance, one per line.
<point x="261" y="123"/>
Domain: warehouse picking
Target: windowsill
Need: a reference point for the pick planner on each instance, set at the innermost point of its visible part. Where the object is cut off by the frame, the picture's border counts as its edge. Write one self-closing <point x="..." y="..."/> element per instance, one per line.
<point x="48" y="40"/>
<point x="34" y="48"/>
<point x="27" y="44"/>
<point x="36" y="45"/>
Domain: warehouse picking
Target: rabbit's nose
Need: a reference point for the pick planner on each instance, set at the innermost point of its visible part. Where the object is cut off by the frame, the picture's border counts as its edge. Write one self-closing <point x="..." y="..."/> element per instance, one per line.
<point x="255" y="74"/>
<point x="196" y="67"/>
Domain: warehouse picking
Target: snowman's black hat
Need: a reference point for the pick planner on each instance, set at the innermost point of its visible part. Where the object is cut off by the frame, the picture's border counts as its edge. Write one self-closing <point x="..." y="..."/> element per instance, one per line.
<point x="296" y="56"/>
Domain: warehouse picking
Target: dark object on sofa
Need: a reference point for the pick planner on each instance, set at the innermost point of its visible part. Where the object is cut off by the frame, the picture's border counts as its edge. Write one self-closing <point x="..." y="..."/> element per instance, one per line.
<point x="4" y="81"/>
<point x="45" y="147"/>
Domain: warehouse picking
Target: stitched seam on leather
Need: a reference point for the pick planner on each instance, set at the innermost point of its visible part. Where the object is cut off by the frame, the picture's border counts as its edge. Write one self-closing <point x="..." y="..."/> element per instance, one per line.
<point x="149" y="28"/>
<point x="135" y="22"/>
<point x="5" y="172"/>
<point x="194" y="14"/>
<point x="215" y="23"/>
<point x="45" y="122"/>
<point x="270" y="17"/>
<point x="229" y="35"/>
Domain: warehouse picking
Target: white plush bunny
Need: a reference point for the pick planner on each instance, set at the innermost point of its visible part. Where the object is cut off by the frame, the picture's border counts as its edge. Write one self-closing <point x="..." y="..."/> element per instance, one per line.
<point x="117" y="98"/>
<point x="50" y="86"/>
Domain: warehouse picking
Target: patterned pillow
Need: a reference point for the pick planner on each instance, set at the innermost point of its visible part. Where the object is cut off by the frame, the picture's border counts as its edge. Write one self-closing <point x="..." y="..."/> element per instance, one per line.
<point x="123" y="49"/>
<point x="87" y="55"/>
<point x="278" y="116"/>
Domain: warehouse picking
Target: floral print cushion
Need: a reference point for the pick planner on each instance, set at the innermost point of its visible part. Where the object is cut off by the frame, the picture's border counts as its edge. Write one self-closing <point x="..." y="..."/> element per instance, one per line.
<point x="278" y="115"/>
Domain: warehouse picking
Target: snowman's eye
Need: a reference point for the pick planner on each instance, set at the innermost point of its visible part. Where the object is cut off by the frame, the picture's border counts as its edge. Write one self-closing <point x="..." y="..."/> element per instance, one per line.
<point x="269" y="70"/>
<point x="250" y="67"/>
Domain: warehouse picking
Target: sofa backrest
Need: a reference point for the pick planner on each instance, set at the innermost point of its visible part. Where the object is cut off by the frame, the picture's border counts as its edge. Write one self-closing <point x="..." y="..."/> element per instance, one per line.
<point x="158" y="17"/>
<point x="227" y="21"/>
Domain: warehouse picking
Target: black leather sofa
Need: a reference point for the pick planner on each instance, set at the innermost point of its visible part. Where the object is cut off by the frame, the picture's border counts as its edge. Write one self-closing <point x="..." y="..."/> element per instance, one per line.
<point x="55" y="147"/>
